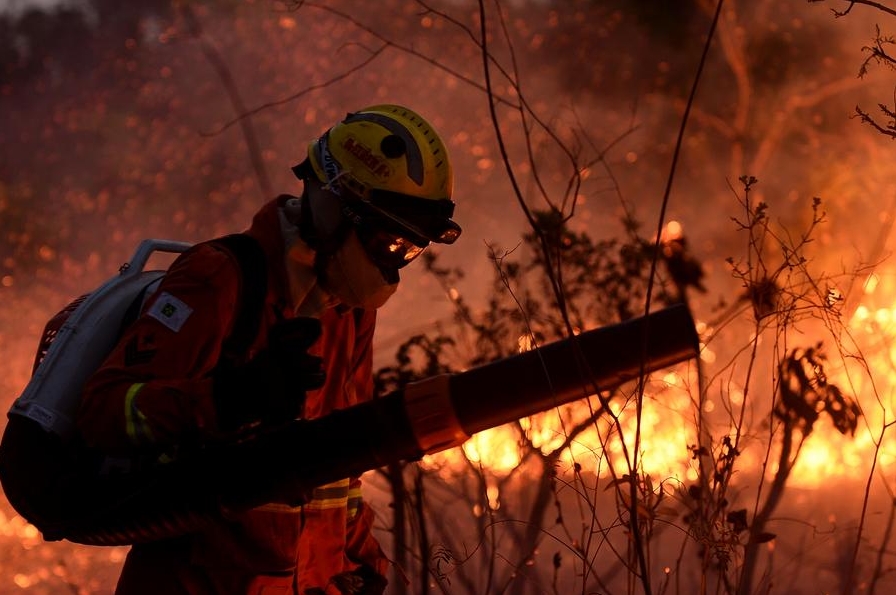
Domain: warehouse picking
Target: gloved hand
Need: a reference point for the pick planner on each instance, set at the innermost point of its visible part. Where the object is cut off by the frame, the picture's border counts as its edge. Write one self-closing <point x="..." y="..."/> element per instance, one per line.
<point x="364" y="580"/>
<point x="270" y="388"/>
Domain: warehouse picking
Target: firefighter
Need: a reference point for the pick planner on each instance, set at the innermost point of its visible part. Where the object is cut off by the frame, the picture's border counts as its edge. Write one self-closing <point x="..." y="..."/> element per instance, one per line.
<point x="376" y="192"/>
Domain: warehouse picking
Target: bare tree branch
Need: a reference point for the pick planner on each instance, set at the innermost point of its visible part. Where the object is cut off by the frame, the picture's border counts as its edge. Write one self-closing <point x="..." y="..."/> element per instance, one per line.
<point x="223" y="72"/>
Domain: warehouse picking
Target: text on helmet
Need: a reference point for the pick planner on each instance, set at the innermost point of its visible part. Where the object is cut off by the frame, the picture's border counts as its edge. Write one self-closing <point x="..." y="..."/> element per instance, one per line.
<point x="377" y="165"/>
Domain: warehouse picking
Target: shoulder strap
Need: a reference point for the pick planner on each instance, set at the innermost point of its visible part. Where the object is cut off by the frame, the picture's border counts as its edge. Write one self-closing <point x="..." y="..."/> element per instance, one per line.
<point x="253" y="267"/>
<point x="358" y="314"/>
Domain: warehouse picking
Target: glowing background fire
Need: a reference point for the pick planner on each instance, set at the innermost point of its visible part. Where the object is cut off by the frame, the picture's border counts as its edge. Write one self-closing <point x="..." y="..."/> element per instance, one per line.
<point x="111" y="137"/>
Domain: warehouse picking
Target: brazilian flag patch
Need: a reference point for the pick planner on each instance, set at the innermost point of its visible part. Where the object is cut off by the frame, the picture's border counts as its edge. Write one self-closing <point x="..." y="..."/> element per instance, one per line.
<point x="170" y="311"/>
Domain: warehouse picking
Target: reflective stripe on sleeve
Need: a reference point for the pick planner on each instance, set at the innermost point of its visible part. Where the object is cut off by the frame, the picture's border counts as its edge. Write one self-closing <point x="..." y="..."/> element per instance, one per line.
<point x="281" y="508"/>
<point x="354" y="502"/>
<point x="331" y="495"/>
<point x="135" y="421"/>
<point x="325" y="497"/>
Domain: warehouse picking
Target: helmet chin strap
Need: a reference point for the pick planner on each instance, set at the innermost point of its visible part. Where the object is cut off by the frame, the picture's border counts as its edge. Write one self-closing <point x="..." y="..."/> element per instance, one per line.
<point x="326" y="228"/>
<point x="324" y="219"/>
<point x="325" y="224"/>
<point x="325" y="240"/>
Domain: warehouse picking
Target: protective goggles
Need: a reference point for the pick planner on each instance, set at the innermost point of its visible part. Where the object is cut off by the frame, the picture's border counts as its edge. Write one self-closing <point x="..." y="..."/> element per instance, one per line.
<point x="423" y="217"/>
<point x="389" y="244"/>
<point x="388" y="251"/>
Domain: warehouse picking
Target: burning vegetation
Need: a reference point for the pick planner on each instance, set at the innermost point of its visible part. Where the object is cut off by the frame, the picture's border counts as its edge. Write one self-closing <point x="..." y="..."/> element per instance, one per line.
<point x="767" y="466"/>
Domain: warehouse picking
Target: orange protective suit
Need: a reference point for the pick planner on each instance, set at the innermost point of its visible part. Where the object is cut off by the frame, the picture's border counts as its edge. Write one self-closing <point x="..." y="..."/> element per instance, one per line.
<point x="155" y="391"/>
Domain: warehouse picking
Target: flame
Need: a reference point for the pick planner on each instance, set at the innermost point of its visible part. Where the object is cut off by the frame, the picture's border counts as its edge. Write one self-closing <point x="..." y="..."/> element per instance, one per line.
<point x="672" y="231"/>
<point x="605" y="447"/>
<point x="668" y="426"/>
<point x="16" y="526"/>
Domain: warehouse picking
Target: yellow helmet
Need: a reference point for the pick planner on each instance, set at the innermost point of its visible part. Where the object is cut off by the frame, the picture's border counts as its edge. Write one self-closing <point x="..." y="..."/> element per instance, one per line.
<point x="391" y="170"/>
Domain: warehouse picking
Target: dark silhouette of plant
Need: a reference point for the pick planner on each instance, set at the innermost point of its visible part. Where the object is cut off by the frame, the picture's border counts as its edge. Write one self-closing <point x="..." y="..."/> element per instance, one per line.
<point x="804" y="394"/>
<point x="878" y="53"/>
<point x="604" y="283"/>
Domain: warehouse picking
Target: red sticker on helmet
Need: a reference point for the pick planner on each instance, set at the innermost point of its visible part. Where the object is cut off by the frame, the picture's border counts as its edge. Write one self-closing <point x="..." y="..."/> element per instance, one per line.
<point x="376" y="165"/>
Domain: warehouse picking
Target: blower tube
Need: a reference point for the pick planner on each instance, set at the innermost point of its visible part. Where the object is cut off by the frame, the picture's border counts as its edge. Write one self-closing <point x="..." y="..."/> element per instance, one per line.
<point x="284" y="464"/>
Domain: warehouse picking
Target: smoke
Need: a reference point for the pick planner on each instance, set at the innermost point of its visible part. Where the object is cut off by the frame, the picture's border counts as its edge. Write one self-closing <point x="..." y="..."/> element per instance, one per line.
<point x="16" y="8"/>
<point x="114" y="127"/>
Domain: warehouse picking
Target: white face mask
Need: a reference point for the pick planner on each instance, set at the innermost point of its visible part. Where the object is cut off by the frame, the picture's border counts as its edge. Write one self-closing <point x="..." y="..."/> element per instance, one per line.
<point x="350" y="276"/>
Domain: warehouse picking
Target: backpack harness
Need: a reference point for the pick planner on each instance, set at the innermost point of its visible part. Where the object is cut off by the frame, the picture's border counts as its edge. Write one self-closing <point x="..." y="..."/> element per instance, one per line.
<point x="40" y="458"/>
